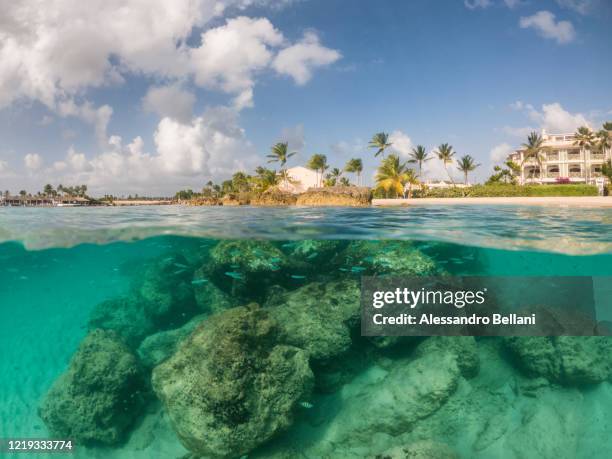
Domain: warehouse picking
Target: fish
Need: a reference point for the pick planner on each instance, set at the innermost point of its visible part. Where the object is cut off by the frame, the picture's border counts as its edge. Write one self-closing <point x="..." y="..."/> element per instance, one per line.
<point x="343" y="269"/>
<point x="312" y="255"/>
<point x="288" y="244"/>
<point x="234" y="275"/>
<point x="275" y="260"/>
<point x="199" y="281"/>
<point x="357" y="269"/>
<point x="181" y="265"/>
<point x="296" y="276"/>
<point x="234" y="266"/>
<point x="166" y="260"/>
<point x="306" y="405"/>
<point x="180" y="271"/>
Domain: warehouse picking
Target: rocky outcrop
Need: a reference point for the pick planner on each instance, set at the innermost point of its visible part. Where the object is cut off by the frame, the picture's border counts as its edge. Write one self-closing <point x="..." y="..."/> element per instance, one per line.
<point x="230" y="387"/>
<point x="202" y="201"/>
<point x="463" y="348"/>
<point x="424" y="449"/>
<point x="209" y="298"/>
<point x="385" y="257"/>
<point x="313" y="251"/>
<point x="350" y="196"/>
<point x="571" y="360"/>
<point x="98" y="398"/>
<point x="274" y="197"/>
<point x="125" y="315"/>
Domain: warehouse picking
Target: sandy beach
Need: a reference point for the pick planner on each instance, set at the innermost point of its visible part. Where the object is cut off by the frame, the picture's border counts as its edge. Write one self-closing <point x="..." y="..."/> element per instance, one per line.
<point x="578" y="201"/>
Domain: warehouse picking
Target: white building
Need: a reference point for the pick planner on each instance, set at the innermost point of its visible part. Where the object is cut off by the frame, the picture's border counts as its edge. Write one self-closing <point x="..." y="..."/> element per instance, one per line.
<point x="300" y="179"/>
<point x="562" y="161"/>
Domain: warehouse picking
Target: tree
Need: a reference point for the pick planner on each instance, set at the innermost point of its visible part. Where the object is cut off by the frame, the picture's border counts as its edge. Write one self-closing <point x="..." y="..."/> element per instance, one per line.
<point x="445" y="154"/>
<point x="23" y="193"/>
<point x="533" y="148"/>
<point x="466" y="165"/>
<point x="354" y="166"/>
<point x="585" y="139"/>
<point x="419" y="155"/>
<point x="505" y="175"/>
<point x="380" y="141"/>
<point x="392" y="175"/>
<point x="280" y="153"/>
<point x="606" y="169"/>
<point x="604" y="140"/>
<point x="333" y="177"/>
<point x="240" y="182"/>
<point x="48" y="190"/>
<point x="344" y="181"/>
<point x="265" y="178"/>
<point x="318" y="163"/>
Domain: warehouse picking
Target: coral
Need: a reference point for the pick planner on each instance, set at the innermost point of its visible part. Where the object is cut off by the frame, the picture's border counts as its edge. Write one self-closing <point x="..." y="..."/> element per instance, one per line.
<point x="100" y="395"/>
<point x="126" y="316"/>
<point x="158" y="347"/>
<point x="385" y="257"/>
<point x="571" y="360"/>
<point x="167" y="290"/>
<point x="314" y="251"/>
<point x="230" y="387"/>
<point x="319" y="317"/>
<point x="209" y="298"/>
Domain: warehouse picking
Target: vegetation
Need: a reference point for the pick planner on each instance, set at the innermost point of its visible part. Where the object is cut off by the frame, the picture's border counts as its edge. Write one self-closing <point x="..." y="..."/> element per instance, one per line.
<point x="585" y="138"/>
<point x="318" y="163"/>
<point x="466" y="165"/>
<point x="355" y="166"/>
<point x="419" y="156"/>
<point x="505" y="190"/>
<point x="393" y="175"/>
<point x="533" y="149"/>
<point x="380" y="141"/>
<point x="505" y="175"/>
<point x="445" y="154"/>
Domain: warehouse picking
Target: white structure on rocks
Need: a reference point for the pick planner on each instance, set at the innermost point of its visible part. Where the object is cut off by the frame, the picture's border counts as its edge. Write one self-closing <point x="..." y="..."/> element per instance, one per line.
<point x="300" y="179"/>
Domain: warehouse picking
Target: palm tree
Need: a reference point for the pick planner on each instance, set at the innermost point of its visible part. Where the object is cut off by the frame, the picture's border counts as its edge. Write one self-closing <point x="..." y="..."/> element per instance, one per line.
<point x="585" y="138"/>
<point x="419" y="155"/>
<point x="392" y="175"/>
<point x="380" y="141"/>
<point x="354" y="166"/>
<point x="280" y="153"/>
<point x="533" y="148"/>
<point x="445" y="154"/>
<point x="318" y="163"/>
<point x="604" y="140"/>
<point x="265" y="178"/>
<point x="466" y="165"/>
<point x="48" y="190"/>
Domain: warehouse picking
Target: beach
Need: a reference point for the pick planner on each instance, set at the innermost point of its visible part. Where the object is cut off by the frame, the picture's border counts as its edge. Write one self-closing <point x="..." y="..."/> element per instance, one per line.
<point x="574" y="201"/>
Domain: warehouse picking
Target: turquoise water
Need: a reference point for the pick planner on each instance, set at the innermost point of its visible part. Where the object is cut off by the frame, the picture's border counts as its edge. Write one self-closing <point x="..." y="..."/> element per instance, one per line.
<point x="291" y="378"/>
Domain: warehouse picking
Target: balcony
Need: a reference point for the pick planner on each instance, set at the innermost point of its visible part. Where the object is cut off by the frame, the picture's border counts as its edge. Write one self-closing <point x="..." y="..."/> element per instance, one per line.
<point x="571" y="155"/>
<point x="552" y="156"/>
<point x="552" y="175"/>
<point x="597" y="156"/>
<point x="575" y="174"/>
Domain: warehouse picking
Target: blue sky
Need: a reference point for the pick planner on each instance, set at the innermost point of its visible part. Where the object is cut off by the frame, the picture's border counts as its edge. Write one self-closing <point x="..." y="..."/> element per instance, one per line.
<point x="152" y="97"/>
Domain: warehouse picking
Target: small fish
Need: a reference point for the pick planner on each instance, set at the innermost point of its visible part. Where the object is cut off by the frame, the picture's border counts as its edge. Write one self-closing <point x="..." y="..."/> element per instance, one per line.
<point x="296" y="276"/>
<point x="358" y="269"/>
<point x="181" y="265"/>
<point x="306" y="405"/>
<point x="343" y="269"/>
<point x="234" y="266"/>
<point x="235" y="253"/>
<point x="244" y="456"/>
<point x="312" y="255"/>
<point x="199" y="281"/>
<point x="288" y="244"/>
<point x="167" y="260"/>
<point x="369" y="259"/>
<point x="234" y="275"/>
<point x="275" y="260"/>
<point x="180" y="271"/>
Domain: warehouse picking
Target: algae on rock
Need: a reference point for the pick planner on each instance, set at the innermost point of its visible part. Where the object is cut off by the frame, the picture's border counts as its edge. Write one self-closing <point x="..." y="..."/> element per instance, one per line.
<point x="230" y="386"/>
<point x="100" y="395"/>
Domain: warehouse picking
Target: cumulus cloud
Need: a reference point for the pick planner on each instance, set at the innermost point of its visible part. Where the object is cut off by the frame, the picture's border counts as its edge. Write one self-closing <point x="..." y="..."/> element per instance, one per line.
<point x="299" y="61"/>
<point x="98" y="117"/>
<point x="473" y="4"/>
<point x="402" y="144"/>
<point x="32" y="161"/>
<point x="170" y="101"/>
<point x="544" y="23"/>
<point x="3" y="166"/>
<point x="499" y="153"/>
<point x="580" y="6"/>
<point x="512" y="3"/>
<point x="551" y="117"/>
<point x="294" y="136"/>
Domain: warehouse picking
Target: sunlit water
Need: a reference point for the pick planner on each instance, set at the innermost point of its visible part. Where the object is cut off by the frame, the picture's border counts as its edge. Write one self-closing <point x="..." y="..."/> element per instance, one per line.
<point x="56" y="265"/>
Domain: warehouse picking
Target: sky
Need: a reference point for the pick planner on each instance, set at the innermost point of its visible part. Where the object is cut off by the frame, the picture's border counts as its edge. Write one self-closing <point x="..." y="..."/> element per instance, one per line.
<point x="150" y="96"/>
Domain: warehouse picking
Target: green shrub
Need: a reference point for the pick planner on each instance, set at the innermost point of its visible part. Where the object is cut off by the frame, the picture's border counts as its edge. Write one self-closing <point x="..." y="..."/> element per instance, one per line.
<point x="501" y="190"/>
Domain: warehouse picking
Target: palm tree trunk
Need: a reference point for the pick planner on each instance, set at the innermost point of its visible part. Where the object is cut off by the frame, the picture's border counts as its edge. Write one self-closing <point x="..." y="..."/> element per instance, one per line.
<point x="466" y="176"/>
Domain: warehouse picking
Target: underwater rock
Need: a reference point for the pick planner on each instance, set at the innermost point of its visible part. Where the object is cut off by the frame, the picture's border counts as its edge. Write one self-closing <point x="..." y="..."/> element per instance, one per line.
<point x="209" y="298"/>
<point x="314" y="251"/>
<point x="230" y="387"/>
<point x="318" y="318"/>
<point x="126" y="316"/>
<point x="463" y="348"/>
<point x="168" y="293"/>
<point x="158" y="347"/>
<point x="570" y="360"/>
<point x="99" y="396"/>
<point x="351" y="196"/>
<point x="385" y="257"/>
<point x="424" y="449"/>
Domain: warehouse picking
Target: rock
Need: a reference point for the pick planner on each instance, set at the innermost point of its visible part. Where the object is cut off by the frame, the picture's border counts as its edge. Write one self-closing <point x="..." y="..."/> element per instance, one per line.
<point x="350" y="196"/>
<point x="274" y="197"/>
<point x="168" y="293"/>
<point x="125" y="315"/>
<point x="314" y="251"/>
<point x="202" y="201"/>
<point x="463" y="348"/>
<point x="570" y="360"/>
<point x="424" y="449"/>
<point x="98" y="398"/>
<point x="319" y="318"/>
<point x="158" y="347"/>
<point x="385" y="257"/>
<point x="209" y="298"/>
<point x="230" y="387"/>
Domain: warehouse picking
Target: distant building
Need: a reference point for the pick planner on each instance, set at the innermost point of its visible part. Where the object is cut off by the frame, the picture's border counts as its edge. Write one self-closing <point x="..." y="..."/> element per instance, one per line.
<point x="444" y="184"/>
<point x="43" y="201"/>
<point x="562" y="162"/>
<point x="300" y="179"/>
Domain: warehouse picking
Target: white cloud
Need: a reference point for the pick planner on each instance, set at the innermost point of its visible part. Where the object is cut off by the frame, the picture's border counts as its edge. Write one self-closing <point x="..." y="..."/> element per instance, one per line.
<point x="299" y="60"/>
<point x="32" y="161"/>
<point x="294" y="136"/>
<point x="580" y="6"/>
<point x="3" y="166"/>
<point x="171" y="101"/>
<point x="512" y="3"/>
<point x="551" y="117"/>
<point x="98" y="117"/>
<point x="544" y="23"/>
<point x="402" y="144"/>
<point x="499" y="153"/>
<point x="230" y="55"/>
<point x="473" y="4"/>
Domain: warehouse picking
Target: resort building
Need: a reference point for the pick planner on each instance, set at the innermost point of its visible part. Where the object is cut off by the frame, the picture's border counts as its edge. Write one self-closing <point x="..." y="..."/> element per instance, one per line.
<point x="561" y="162"/>
<point x="43" y="201"/>
<point x="300" y="179"/>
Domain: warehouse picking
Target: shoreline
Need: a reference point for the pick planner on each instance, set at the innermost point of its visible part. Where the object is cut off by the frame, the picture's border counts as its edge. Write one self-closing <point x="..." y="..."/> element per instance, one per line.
<point x="563" y="201"/>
